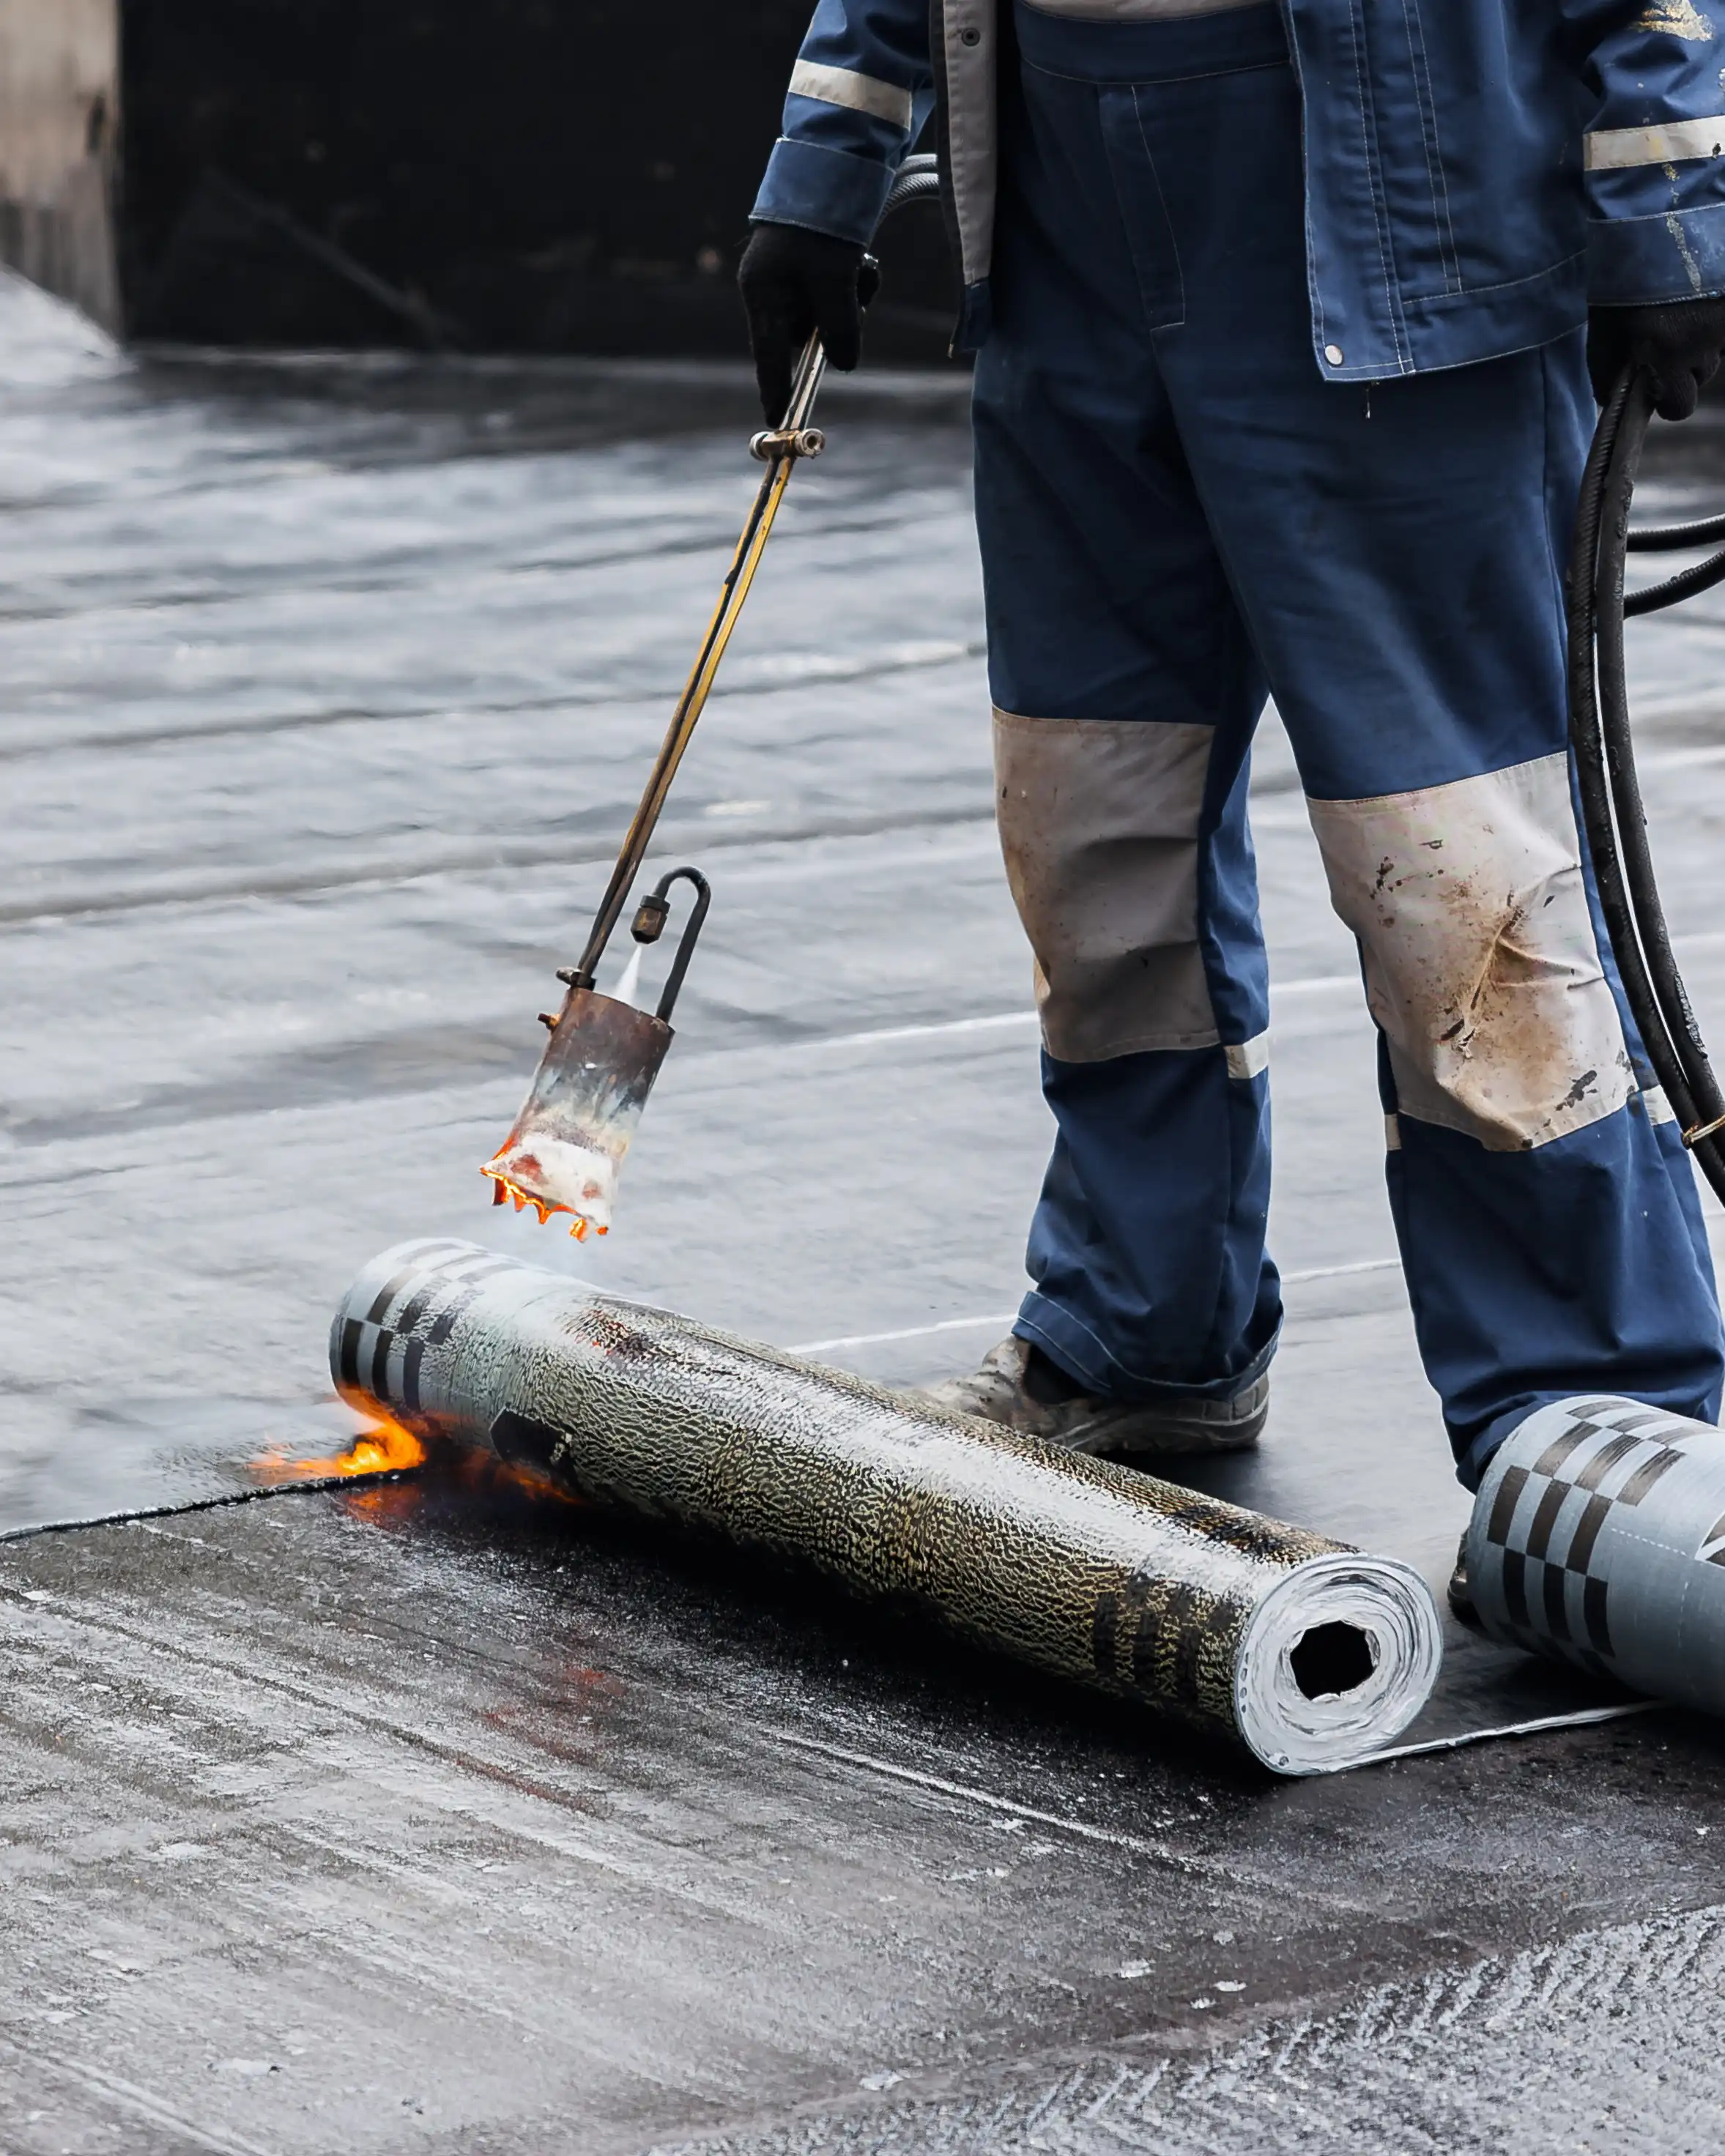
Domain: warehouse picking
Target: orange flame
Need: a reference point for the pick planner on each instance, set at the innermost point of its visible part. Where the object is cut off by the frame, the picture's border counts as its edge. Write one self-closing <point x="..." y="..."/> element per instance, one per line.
<point x="502" y="1187"/>
<point x="388" y="1449"/>
<point x="483" y="1470"/>
<point x="385" y="1448"/>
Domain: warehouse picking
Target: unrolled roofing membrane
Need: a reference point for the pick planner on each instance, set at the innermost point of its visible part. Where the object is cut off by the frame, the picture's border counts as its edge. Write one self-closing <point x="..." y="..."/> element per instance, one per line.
<point x="1309" y="1653"/>
<point x="1599" y="1537"/>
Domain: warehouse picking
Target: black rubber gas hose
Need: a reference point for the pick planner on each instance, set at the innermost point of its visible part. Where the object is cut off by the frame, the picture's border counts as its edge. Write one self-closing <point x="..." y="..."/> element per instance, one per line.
<point x="918" y="179"/>
<point x="1600" y="736"/>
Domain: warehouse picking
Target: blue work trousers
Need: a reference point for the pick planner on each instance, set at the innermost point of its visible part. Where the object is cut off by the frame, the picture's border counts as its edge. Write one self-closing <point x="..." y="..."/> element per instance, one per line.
<point x="1179" y="515"/>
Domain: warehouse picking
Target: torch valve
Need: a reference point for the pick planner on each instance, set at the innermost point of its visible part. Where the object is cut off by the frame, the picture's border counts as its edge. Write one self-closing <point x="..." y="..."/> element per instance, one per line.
<point x="774" y="442"/>
<point x="650" y="917"/>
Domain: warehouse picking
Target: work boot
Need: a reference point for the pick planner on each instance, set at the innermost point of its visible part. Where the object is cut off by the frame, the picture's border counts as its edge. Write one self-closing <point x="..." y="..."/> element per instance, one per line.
<point x="1461" y="1593"/>
<point x="1021" y="1388"/>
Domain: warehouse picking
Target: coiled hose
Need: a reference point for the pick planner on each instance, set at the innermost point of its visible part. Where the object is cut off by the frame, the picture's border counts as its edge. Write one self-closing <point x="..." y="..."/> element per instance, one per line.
<point x="1612" y="812"/>
<point x="918" y="179"/>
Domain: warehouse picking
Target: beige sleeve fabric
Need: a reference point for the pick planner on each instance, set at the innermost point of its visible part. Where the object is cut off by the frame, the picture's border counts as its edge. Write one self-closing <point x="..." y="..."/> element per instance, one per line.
<point x="1099" y="823"/>
<point x="968" y="75"/>
<point x="1480" y="963"/>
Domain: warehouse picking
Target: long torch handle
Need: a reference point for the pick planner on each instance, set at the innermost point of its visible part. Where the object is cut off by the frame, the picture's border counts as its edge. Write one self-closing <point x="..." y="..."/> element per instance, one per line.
<point x="781" y="447"/>
<point x="918" y="180"/>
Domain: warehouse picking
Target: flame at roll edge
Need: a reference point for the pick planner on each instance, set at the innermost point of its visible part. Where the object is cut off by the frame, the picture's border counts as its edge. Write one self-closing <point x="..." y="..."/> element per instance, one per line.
<point x="387" y="1450"/>
<point x="384" y="1447"/>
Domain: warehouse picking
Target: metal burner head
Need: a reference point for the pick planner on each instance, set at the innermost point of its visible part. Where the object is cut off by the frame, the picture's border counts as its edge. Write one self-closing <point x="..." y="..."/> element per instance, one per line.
<point x="565" y="1151"/>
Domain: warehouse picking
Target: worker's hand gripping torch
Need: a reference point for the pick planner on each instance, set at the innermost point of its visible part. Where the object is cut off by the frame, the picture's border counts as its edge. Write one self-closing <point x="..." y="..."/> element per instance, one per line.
<point x="565" y="1151"/>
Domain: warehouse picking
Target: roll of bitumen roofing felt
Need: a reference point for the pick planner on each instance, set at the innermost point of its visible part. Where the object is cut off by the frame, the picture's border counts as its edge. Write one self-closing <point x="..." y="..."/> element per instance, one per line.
<point x="1598" y="1536"/>
<point x="1309" y="1653"/>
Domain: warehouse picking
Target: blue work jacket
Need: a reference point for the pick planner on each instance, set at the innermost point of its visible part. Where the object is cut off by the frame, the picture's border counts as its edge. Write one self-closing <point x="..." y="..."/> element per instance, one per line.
<point x="1477" y="171"/>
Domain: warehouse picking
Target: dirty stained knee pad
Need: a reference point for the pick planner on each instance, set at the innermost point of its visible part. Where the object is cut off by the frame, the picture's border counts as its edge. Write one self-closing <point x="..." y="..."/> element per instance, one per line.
<point x="1480" y="963"/>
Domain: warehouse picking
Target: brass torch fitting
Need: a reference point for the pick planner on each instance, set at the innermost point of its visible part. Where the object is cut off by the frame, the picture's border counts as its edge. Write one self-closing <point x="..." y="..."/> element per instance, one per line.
<point x="773" y="442"/>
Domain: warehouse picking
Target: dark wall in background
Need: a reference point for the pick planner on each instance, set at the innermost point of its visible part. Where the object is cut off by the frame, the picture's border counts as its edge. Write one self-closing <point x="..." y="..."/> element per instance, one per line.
<point x="517" y="175"/>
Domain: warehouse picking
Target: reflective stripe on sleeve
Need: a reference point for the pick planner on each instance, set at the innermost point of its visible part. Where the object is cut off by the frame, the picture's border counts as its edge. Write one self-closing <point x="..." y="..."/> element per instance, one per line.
<point x="1659" y="1108"/>
<point x="862" y="93"/>
<point x="1615" y="149"/>
<point x="1249" y="1057"/>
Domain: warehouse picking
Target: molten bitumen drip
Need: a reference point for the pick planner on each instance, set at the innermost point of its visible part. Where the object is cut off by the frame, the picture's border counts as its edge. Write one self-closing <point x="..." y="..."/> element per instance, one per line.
<point x="503" y="1190"/>
<point x="1309" y="1653"/>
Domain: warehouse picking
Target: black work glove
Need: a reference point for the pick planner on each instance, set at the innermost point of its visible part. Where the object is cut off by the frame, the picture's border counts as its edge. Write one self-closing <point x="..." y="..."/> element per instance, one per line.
<point x="794" y="280"/>
<point x="1680" y="343"/>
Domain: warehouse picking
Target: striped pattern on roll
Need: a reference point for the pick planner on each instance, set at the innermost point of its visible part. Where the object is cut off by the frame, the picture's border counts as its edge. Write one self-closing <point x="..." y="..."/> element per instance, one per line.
<point x="1599" y="1537"/>
<point x="1083" y="1567"/>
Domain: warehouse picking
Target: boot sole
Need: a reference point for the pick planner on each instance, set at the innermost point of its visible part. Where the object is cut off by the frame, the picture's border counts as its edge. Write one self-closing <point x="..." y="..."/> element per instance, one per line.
<point x="1168" y="1441"/>
<point x="1137" y="1431"/>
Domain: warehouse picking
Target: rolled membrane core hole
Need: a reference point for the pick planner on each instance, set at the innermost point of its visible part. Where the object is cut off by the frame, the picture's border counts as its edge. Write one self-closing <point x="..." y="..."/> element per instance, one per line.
<point x="1331" y="1659"/>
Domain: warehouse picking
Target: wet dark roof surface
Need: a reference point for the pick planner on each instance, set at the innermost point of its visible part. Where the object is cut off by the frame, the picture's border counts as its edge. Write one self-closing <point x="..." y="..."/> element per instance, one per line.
<point x="416" y="1821"/>
<point x="327" y="689"/>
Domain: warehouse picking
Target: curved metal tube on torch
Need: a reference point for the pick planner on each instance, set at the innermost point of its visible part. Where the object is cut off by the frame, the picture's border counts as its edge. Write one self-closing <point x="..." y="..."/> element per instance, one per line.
<point x="566" y="1149"/>
<point x="1311" y="1655"/>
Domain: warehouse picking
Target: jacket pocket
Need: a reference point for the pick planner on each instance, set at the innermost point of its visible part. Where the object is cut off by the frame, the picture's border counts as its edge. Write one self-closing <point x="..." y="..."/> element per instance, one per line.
<point x="1444" y="266"/>
<point x="1477" y="127"/>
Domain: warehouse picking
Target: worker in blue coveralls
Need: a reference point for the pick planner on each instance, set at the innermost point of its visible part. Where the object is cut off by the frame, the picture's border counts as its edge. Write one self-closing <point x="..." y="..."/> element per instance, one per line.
<point x="1283" y="316"/>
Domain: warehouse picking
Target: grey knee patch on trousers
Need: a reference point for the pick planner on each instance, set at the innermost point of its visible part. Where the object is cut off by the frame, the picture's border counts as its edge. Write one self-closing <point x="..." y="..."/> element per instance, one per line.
<point x="1480" y="963"/>
<point x="1098" y="823"/>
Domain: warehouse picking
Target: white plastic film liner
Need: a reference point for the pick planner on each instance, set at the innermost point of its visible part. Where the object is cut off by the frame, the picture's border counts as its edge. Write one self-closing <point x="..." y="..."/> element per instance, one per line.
<point x="1599" y="1537"/>
<point x="1312" y="1655"/>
